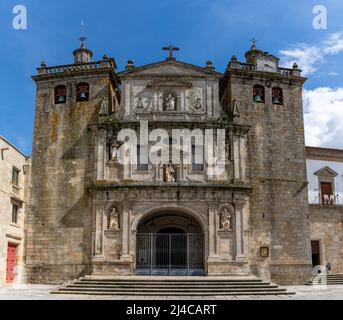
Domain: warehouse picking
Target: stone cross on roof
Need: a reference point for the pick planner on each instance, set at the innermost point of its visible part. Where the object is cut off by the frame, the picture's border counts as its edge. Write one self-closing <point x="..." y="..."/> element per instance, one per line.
<point x="171" y="49"/>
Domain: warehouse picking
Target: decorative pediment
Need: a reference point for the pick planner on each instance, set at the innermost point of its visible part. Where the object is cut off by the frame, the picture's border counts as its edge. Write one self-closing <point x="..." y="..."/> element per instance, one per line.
<point x="171" y="68"/>
<point x="326" y="172"/>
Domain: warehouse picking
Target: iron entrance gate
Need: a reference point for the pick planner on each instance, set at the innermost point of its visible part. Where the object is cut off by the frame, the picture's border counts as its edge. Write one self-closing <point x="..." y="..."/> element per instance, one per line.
<point x="170" y="255"/>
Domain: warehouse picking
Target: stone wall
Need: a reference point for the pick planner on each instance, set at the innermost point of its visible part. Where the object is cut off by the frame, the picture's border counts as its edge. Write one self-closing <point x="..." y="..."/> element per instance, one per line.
<point x="326" y="224"/>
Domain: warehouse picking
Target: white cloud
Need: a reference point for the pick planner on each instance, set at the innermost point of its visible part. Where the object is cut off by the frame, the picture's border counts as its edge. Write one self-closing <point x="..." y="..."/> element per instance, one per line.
<point x="333" y="44"/>
<point x="324" y="117"/>
<point x="311" y="57"/>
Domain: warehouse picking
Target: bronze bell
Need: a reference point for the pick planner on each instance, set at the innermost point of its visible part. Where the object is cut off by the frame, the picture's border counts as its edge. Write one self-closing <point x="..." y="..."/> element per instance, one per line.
<point x="276" y="100"/>
<point x="258" y="99"/>
<point x="83" y="96"/>
<point x="61" y="99"/>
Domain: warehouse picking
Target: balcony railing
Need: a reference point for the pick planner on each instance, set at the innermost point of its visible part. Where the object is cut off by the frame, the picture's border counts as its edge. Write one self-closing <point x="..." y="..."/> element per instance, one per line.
<point x="282" y="71"/>
<point x="327" y="200"/>
<point x="74" y="67"/>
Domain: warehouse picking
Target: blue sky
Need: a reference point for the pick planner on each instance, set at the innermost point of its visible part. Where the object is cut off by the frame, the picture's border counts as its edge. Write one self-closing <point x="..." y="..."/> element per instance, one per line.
<point x="204" y="30"/>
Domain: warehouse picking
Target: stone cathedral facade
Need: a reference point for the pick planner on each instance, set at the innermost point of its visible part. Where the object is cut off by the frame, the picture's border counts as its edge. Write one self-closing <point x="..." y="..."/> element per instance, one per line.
<point x="92" y="214"/>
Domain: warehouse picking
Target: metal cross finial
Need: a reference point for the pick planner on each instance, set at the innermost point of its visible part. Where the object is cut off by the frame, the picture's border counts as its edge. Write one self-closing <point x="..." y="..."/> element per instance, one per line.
<point x="171" y="49"/>
<point x="83" y="38"/>
<point x="253" y="40"/>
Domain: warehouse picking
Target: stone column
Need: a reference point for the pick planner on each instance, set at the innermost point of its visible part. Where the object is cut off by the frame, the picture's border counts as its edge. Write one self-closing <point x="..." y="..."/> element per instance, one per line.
<point x="243" y="155"/>
<point x="98" y="234"/>
<point x="212" y="230"/>
<point x="236" y="157"/>
<point x="239" y="150"/>
<point x="127" y="96"/>
<point x="209" y="101"/>
<point x="126" y="234"/>
<point x="155" y="104"/>
<point x="239" y="229"/>
<point x="101" y="155"/>
<point x="182" y="101"/>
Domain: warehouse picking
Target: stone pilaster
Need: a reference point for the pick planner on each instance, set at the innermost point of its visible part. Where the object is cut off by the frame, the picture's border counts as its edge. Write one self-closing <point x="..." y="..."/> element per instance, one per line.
<point x="126" y="234"/>
<point x="98" y="234"/>
<point x="101" y="155"/>
<point x="239" y="229"/>
<point x="212" y="230"/>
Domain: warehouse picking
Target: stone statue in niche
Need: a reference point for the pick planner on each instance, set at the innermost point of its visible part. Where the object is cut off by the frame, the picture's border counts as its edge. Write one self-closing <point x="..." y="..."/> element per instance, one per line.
<point x="234" y="108"/>
<point x="226" y="220"/>
<point x="115" y="151"/>
<point x="170" y="103"/>
<point x="198" y="104"/>
<point x="113" y="220"/>
<point x="140" y="106"/>
<point x="104" y="107"/>
<point x="170" y="174"/>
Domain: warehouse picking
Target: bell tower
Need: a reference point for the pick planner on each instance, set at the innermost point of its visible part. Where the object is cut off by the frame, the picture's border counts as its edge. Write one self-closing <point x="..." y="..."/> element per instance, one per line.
<point x="68" y="100"/>
<point x="269" y="99"/>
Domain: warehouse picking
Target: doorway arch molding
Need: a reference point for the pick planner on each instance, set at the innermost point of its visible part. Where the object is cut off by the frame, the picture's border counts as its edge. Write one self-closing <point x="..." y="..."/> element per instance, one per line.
<point x="139" y="214"/>
<point x="199" y="215"/>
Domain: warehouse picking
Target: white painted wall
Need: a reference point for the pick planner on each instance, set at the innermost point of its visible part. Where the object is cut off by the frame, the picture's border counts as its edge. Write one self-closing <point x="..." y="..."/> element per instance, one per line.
<point x="315" y="165"/>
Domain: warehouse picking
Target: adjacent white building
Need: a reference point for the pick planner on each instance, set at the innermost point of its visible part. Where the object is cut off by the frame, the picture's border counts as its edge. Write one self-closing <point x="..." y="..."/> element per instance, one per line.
<point x="325" y="176"/>
<point x="14" y="192"/>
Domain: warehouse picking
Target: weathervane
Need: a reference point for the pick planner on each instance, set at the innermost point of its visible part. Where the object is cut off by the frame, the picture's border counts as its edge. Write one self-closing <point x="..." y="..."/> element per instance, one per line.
<point x="171" y="49"/>
<point x="83" y="38"/>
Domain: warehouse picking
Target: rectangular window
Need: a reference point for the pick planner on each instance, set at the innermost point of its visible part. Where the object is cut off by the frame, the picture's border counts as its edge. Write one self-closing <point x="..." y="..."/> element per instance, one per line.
<point x="197" y="159"/>
<point x="15" y="210"/>
<point x="142" y="166"/>
<point x="15" y="177"/>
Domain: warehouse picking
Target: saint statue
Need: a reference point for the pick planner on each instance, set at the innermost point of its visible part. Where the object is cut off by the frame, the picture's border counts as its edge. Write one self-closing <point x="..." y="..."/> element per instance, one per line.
<point x="140" y="105"/>
<point x="113" y="220"/>
<point x="114" y="152"/>
<point x="170" y="103"/>
<point x="198" y="105"/>
<point x="226" y="220"/>
<point x="104" y="107"/>
<point x="170" y="174"/>
<point x="234" y="108"/>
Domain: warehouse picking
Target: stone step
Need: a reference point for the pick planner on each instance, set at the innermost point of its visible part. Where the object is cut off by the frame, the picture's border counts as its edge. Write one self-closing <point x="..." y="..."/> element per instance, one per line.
<point x="157" y="286"/>
<point x="177" y="287"/>
<point x="155" y="289"/>
<point x="337" y="283"/>
<point x="170" y="284"/>
<point x="171" y="281"/>
<point x="179" y="294"/>
<point x="327" y="279"/>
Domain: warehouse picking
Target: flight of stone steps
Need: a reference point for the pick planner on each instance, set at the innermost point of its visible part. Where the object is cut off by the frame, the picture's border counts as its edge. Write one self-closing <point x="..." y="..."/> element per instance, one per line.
<point x="161" y="286"/>
<point x="327" y="279"/>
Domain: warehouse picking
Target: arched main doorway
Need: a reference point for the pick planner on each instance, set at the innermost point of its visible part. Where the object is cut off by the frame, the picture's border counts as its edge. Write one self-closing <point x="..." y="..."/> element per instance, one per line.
<point x="170" y="244"/>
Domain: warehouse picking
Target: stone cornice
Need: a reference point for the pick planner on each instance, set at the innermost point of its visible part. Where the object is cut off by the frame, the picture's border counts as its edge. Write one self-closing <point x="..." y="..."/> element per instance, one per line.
<point x="324" y="154"/>
<point x="103" y="185"/>
<point x="72" y="70"/>
<point x="206" y="124"/>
